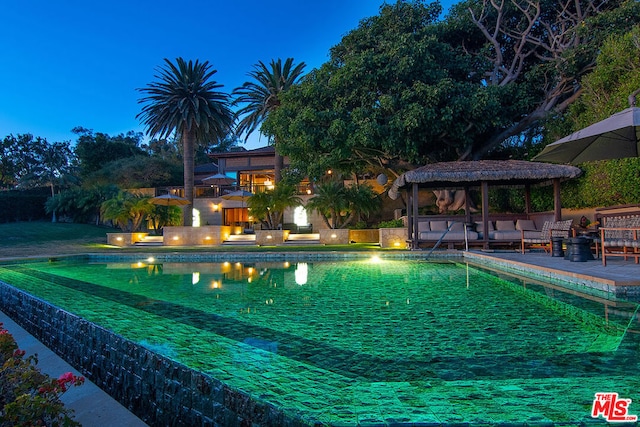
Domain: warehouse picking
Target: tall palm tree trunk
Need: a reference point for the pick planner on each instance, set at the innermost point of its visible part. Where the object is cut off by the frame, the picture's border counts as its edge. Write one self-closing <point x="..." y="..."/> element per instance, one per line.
<point x="188" y="146"/>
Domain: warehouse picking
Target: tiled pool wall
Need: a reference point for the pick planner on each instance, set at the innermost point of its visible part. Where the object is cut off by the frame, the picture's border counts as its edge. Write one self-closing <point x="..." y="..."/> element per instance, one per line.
<point x="276" y="256"/>
<point x="159" y="391"/>
<point x="579" y="283"/>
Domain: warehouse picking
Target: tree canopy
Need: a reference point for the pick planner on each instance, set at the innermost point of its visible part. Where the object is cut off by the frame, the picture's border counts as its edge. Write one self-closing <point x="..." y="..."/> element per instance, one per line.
<point x="94" y="150"/>
<point x="606" y="90"/>
<point x="405" y="88"/>
<point x="27" y="162"/>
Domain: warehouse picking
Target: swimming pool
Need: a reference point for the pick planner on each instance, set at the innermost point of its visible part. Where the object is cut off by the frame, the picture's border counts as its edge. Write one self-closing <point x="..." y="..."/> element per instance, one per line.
<point x="370" y="341"/>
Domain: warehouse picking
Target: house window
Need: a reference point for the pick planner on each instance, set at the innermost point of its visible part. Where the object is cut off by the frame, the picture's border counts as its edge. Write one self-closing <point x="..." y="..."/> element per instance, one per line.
<point x="300" y="216"/>
<point x="196" y="218"/>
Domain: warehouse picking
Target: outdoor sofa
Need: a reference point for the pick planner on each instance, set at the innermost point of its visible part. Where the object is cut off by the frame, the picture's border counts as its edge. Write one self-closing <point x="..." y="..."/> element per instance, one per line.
<point x="499" y="231"/>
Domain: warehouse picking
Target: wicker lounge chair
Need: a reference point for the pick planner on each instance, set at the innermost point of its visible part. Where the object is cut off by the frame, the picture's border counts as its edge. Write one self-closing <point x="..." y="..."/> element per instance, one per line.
<point x="543" y="238"/>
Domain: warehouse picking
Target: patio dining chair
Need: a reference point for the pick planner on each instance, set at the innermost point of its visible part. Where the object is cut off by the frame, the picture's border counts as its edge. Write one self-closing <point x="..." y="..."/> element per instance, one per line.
<point x="544" y="238"/>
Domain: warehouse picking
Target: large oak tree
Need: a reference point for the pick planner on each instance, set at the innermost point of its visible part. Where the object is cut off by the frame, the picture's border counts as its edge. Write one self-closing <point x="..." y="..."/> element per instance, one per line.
<point x="404" y="88"/>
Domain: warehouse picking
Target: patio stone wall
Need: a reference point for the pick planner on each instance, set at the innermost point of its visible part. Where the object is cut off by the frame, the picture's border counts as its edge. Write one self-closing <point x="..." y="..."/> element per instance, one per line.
<point x="368" y="235"/>
<point x="159" y="391"/>
<point x="338" y="236"/>
<point x="124" y="239"/>
<point x="393" y="237"/>
<point x="207" y="235"/>
<point x="271" y="237"/>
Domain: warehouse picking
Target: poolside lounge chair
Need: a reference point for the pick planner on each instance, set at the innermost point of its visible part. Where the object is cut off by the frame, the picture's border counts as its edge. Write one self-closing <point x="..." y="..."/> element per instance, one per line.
<point x="543" y="238"/>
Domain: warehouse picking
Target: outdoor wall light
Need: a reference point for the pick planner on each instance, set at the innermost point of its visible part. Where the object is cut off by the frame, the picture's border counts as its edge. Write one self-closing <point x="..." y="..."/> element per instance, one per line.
<point x="176" y="238"/>
<point x="396" y="244"/>
<point x="269" y="237"/>
<point x="333" y="236"/>
<point x="216" y="207"/>
<point x="207" y="238"/>
<point x="119" y="239"/>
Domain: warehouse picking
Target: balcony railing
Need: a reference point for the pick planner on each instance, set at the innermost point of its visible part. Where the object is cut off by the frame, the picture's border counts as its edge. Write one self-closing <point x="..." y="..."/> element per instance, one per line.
<point x="220" y="190"/>
<point x="207" y="191"/>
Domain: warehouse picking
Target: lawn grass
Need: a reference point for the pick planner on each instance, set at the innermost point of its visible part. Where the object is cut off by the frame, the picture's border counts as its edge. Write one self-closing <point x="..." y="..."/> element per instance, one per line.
<point x="35" y="232"/>
<point x="20" y="239"/>
<point x="32" y="239"/>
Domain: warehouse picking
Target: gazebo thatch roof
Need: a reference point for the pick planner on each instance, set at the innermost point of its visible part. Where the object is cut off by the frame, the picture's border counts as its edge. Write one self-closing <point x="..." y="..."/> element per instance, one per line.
<point x="473" y="173"/>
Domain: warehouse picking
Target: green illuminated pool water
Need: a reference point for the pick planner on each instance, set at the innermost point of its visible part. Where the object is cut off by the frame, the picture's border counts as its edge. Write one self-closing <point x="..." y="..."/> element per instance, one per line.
<point x="364" y="342"/>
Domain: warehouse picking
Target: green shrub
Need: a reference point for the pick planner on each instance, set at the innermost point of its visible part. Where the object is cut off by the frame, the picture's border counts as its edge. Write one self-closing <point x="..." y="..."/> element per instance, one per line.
<point x="27" y="396"/>
<point x="394" y="223"/>
<point x="604" y="183"/>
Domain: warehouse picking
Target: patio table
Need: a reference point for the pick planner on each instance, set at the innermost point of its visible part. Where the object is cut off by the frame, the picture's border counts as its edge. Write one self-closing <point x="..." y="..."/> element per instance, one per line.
<point x="579" y="249"/>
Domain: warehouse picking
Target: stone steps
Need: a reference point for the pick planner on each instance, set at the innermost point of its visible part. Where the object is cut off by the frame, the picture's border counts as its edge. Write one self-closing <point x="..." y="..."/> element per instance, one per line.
<point x="150" y="241"/>
<point x="303" y="239"/>
<point x="240" y="239"/>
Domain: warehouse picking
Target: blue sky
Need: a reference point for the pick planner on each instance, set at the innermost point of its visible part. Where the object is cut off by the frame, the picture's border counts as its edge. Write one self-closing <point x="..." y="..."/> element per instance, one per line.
<point x="69" y="63"/>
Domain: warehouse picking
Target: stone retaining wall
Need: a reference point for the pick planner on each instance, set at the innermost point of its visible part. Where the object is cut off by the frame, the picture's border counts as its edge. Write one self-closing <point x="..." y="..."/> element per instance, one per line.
<point x="159" y="391"/>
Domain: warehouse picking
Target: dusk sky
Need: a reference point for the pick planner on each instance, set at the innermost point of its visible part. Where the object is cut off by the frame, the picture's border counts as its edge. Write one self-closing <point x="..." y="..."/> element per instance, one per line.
<point x="71" y="63"/>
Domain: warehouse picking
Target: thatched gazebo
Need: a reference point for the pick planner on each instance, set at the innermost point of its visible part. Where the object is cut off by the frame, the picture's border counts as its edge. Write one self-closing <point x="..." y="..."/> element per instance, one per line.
<point x="481" y="173"/>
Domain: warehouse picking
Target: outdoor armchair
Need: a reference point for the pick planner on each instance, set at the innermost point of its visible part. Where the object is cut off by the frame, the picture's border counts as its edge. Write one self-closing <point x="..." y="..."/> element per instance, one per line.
<point x="544" y="239"/>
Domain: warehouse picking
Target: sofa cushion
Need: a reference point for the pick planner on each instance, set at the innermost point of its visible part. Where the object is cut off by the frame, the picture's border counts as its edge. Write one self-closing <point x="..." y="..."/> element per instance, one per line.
<point x="423" y="226"/>
<point x="437" y="225"/>
<point x="456" y="226"/>
<point x="505" y="225"/>
<point x="506" y="235"/>
<point x="455" y="236"/>
<point x="530" y="234"/>
<point x="525" y="224"/>
<point x="480" y="229"/>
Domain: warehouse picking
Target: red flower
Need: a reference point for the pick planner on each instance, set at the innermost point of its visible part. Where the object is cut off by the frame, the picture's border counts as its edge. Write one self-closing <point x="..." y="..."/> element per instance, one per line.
<point x="67" y="377"/>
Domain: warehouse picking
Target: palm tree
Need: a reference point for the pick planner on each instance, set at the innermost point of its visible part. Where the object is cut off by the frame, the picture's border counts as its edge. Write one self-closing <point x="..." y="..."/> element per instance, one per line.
<point x="269" y="206"/>
<point x="339" y="205"/>
<point x="185" y="100"/>
<point x="261" y="97"/>
<point x="126" y="210"/>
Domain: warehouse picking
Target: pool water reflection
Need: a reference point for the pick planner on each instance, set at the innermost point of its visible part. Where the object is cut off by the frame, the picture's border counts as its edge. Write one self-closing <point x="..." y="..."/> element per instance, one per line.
<point x="365" y="342"/>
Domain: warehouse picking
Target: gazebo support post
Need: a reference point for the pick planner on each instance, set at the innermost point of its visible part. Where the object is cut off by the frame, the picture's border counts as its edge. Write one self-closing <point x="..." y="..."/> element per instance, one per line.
<point x="485" y="214"/>
<point x="467" y="206"/>
<point x="410" y="216"/>
<point x="557" y="205"/>
<point x="415" y="235"/>
<point x="527" y="199"/>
